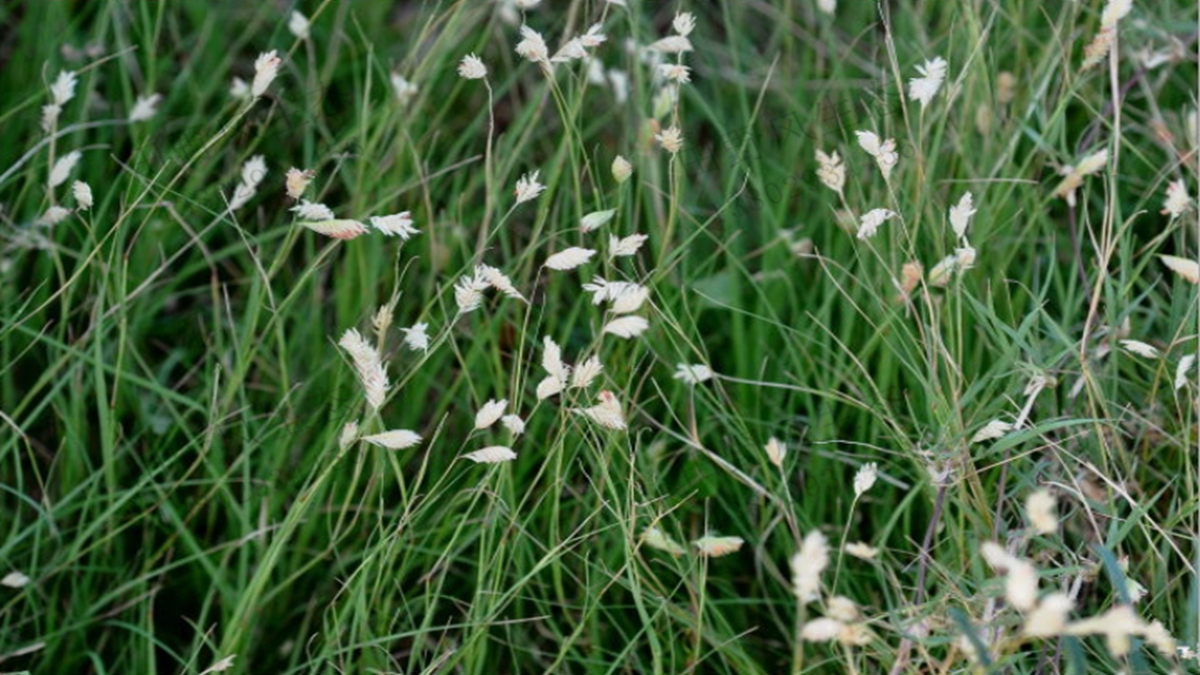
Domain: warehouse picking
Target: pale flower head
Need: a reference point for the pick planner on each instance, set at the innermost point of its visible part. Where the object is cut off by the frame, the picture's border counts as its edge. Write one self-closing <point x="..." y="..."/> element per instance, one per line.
<point x="684" y="23"/>
<point x="626" y="246"/>
<point x="621" y="169"/>
<point x="871" y="221"/>
<point x="1049" y="618"/>
<point x="416" y="337"/>
<point x="831" y="171"/>
<point x="865" y="478"/>
<point x="960" y="215"/>
<point x="266" y="67"/>
<point x="514" y="424"/>
<point x="671" y="139"/>
<point x="299" y="26"/>
<point x="714" y="547"/>
<point x="62" y="168"/>
<point x="145" y="107"/>
<point x="403" y="88"/>
<point x="83" y="195"/>
<point x="296" y="182"/>
<point x="776" y="451"/>
<point x="1140" y="348"/>
<point x="925" y="87"/>
<point x="397" y="439"/>
<point x="494" y="454"/>
<point x="528" y="187"/>
<point x="1177" y="201"/>
<point x="472" y="68"/>
<point x="626" y="327"/>
<point x="1041" y="512"/>
<point x="607" y="412"/>
<point x="808" y="564"/>
<point x="861" y="550"/>
<point x="396" y="225"/>
<point x="692" y="374"/>
<point x="62" y="89"/>
<point x="532" y="46"/>
<point x="490" y="413"/>
<point x="659" y="540"/>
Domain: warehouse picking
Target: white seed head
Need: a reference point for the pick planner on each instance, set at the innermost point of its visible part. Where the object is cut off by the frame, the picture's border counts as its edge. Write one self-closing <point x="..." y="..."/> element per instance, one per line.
<point x="349" y="434"/>
<point x="925" y="87"/>
<point x="14" y="580"/>
<point x="596" y="220"/>
<point x="1041" y="511"/>
<point x="397" y="439"/>
<point x="1178" y="201"/>
<point x="674" y="44"/>
<point x="831" y="171"/>
<point x="671" y="139"/>
<point x="842" y="608"/>
<point x="661" y="541"/>
<point x="371" y="370"/>
<point x="823" y="629"/>
<point x="776" y="451"/>
<point x="674" y="72"/>
<point x="62" y="168"/>
<point x="865" y="478"/>
<point x="53" y="216"/>
<point x="296" y="182"/>
<point x="468" y="293"/>
<point x="1182" y="370"/>
<point x="395" y="225"/>
<point x="715" y="547"/>
<point x="416" y="337"/>
<point x="827" y="6"/>
<point x="83" y="195"/>
<point x="266" y="67"/>
<point x="490" y="413"/>
<point x="299" y="25"/>
<point x="307" y="210"/>
<point x="338" y="228"/>
<point x="404" y="89"/>
<point x="586" y="373"/>
<point x="493" y="454"/>
<point x="684" y="23"/>
<point x="498" y="280"/>
<point x="62" y="89"/>
<point x="607" y="412"/>
<point x="145" y="107"/>
<point x="626" y="327"/>
<point x="807" y="566"/>
<point x="630" y="298"/>
<point x="472" y="68"/>
<point x="514" y="424"/>
<point x="1188" y="269"/>
<point x="532" y="46"/>
<point x="1140" y="349"/>
<point x="884" y="151"/>
<point x="625" y="247"/>
<point x="528" y="187"/>
<point x="621" y="169"/>
<point x="960" y="215"/>
<point x="569" y="259"/>
<point x="1049" y="618"/>
<point x="861" y="550"/>
<point x="871" y="220"/>
<point x="692" y="374"/>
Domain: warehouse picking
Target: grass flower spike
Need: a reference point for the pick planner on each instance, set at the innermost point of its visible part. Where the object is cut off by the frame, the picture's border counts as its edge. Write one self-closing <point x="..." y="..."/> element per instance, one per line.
<point x="398" y="439"/>
<point x="266" y="67"/>
<point x="494" y="454"/>
<point x="472" y="68"/>
<point x="370" y="367"/>
<point x="925" y="87"/>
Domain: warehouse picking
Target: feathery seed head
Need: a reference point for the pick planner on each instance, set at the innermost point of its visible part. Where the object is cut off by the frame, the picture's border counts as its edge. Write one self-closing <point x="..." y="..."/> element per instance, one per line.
<point x="396" y="225"/>
<point x="296" y="183"/>
<point x="83" y="195"/>
<point x="776" y="451"/>
<point x="621" y="169"/>
<point x="472" y="68"/>
<point x="144" y="108"/>
<point x="692" y="374"/>
<point x="299" y="25"/>
<point x="266" y="67"/>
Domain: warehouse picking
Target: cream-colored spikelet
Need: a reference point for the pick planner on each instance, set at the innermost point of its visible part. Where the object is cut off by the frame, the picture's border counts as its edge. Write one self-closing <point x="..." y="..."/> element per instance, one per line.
<point x="1118" y="626"/>
<point x="1140" y="349"/>
<point x="1074" y="175"/>
<point x="865" y="478"/>
<point x="493" y="454"/>
<point x="630" y="299"/>
<point x="960" y="215"/>
<point x="1020" y="581"/>
<point x="884" y="151"/>
<point x="266" y="67"/>
<point x="397" y="439"/>
<point x="372" y="373"/>
<point x="596" y="220"/>
<point x="472" y="68"/>
<point x="626" y="327"/>
<point x="1184" y="267"/>
<point x="991" y="431"/>
<point x="338" y="228"/>
<point x="496" y="279"/>
<point x="83" y="195"/>
<point x="861" y="550"/>
<point x="661" y="541"/>
<point x="1049" y="618"/>
<point x="569" y="259"/>
<point x="831" y="172"/>
<point x="925" y="87"/>
<point x="585" y="373"/>
<point x="871" y="221"/>
<point x="299" y="26"/>
<point x="711" y="546"/>
<point x="692" y="374"/>
<point x="144" y="108"/>
<point x="62" y="168"/>
<point x="776" y="451"/>
<point x="395" y="225"/>
<point x="253" y="173"/>
<point x="416" y="337"/>
<point x="607" y="412"/>
<point x="514" y="424"/>
<point x="627" y="246"/>
<point x="528" y="187"/>
<point x="621" y="169"/>
<point x="1041" y="511"/>
<point x="532" y="47"/>
<point x="557" y="371"/>
<point x="671" y="139"/>
<point x="297" y="180"/>
<point x="807" y="566"/>
<point x="490" y="413"/>
<point x="1102" y="43"/>
<point x="1177" y="201"/>
<point x="1182" y="371"/>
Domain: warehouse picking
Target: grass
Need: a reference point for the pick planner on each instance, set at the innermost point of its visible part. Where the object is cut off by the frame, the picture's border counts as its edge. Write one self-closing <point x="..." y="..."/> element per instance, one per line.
<point x="172" y="394"/>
